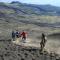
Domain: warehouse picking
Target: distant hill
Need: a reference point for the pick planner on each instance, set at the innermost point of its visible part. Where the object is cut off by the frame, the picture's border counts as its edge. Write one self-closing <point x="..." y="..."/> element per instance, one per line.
<point x="16" y="7"/>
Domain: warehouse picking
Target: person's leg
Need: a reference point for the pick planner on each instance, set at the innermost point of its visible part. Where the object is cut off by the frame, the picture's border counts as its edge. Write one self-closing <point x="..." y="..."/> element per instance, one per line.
<point x="41" y="46"/>
<point x="24" y="39"/>
<point x="13" y="38"/>
<point x="44" y="43"/>
<point x="17" y="36"/>
<point x="41" y="49"/>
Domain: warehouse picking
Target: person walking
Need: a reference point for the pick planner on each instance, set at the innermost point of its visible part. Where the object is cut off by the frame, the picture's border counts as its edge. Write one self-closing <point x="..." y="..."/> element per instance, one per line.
<point x="24" y="35"/>
<point x="43" y="41"/>
<point x="17" y="34"/>
<point x="13" y="35"/>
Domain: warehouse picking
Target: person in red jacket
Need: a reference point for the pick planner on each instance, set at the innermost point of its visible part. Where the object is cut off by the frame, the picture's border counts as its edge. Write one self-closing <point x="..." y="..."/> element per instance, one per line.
<point x="24" y="35"/>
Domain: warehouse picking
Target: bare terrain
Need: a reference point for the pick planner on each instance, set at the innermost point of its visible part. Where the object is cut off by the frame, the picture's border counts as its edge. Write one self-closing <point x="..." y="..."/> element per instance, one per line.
<point x="20" y="17"/>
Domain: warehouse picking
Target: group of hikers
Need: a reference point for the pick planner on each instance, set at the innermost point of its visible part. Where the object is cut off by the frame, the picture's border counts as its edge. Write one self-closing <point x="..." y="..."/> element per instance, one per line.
<point x="23" y="34"/>
<point x="17" y="34"/>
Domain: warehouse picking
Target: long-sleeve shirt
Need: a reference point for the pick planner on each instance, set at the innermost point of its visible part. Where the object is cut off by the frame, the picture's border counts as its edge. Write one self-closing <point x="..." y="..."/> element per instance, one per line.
<point x="24" y="34"/>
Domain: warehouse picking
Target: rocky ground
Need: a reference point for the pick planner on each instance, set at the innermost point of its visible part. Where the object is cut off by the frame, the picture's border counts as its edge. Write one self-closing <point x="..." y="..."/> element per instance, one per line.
<point x="11" y="51"/>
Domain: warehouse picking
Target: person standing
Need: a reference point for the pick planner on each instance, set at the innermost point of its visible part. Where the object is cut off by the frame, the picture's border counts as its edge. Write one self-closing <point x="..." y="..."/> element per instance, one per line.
<point x="17" y="34"/>
<point x="13" y="35"/>
<point x="24" y="35"/>
<point x="43" y="41"/>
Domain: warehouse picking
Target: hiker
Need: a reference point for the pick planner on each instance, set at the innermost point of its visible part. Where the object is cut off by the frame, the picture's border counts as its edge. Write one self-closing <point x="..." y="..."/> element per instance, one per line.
<point x="24" y="35"/>
<point x="13" y="35"/>
<point x="43" y="41"/>
<point x="17" y="34"/>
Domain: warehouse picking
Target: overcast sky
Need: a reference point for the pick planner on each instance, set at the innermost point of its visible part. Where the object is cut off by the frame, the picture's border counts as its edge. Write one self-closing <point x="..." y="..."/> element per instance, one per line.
<point x="52" y="2"/>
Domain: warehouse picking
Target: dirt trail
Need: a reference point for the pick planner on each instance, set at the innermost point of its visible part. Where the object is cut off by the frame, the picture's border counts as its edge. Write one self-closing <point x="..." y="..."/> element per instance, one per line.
<point x="51" y="45"/>
<point x="28" y="42"/>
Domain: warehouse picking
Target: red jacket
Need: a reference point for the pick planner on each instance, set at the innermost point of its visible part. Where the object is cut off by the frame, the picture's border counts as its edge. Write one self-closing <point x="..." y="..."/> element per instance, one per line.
<point x="23" y="34"/>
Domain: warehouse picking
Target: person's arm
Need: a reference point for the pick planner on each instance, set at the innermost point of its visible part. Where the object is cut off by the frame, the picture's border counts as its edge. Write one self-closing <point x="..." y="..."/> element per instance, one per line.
<point x="21" y="34"/>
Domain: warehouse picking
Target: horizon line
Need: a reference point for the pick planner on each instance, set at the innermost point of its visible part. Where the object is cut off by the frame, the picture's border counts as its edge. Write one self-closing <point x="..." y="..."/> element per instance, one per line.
<point x="29" y="3"/>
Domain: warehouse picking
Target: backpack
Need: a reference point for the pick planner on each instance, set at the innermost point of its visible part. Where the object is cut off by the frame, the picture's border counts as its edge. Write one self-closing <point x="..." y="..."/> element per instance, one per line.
<point x="17" y="33"/>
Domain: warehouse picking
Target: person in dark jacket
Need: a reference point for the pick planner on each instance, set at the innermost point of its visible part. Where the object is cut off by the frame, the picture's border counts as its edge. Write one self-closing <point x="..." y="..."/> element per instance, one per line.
<point x="17" y="34"/>
<point x="43" y="41"/>
<point x="13" y="35"/>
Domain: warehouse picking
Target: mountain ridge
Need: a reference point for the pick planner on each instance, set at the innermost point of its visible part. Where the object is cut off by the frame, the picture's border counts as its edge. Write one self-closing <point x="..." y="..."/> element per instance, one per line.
<point x="32" y="9"/>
